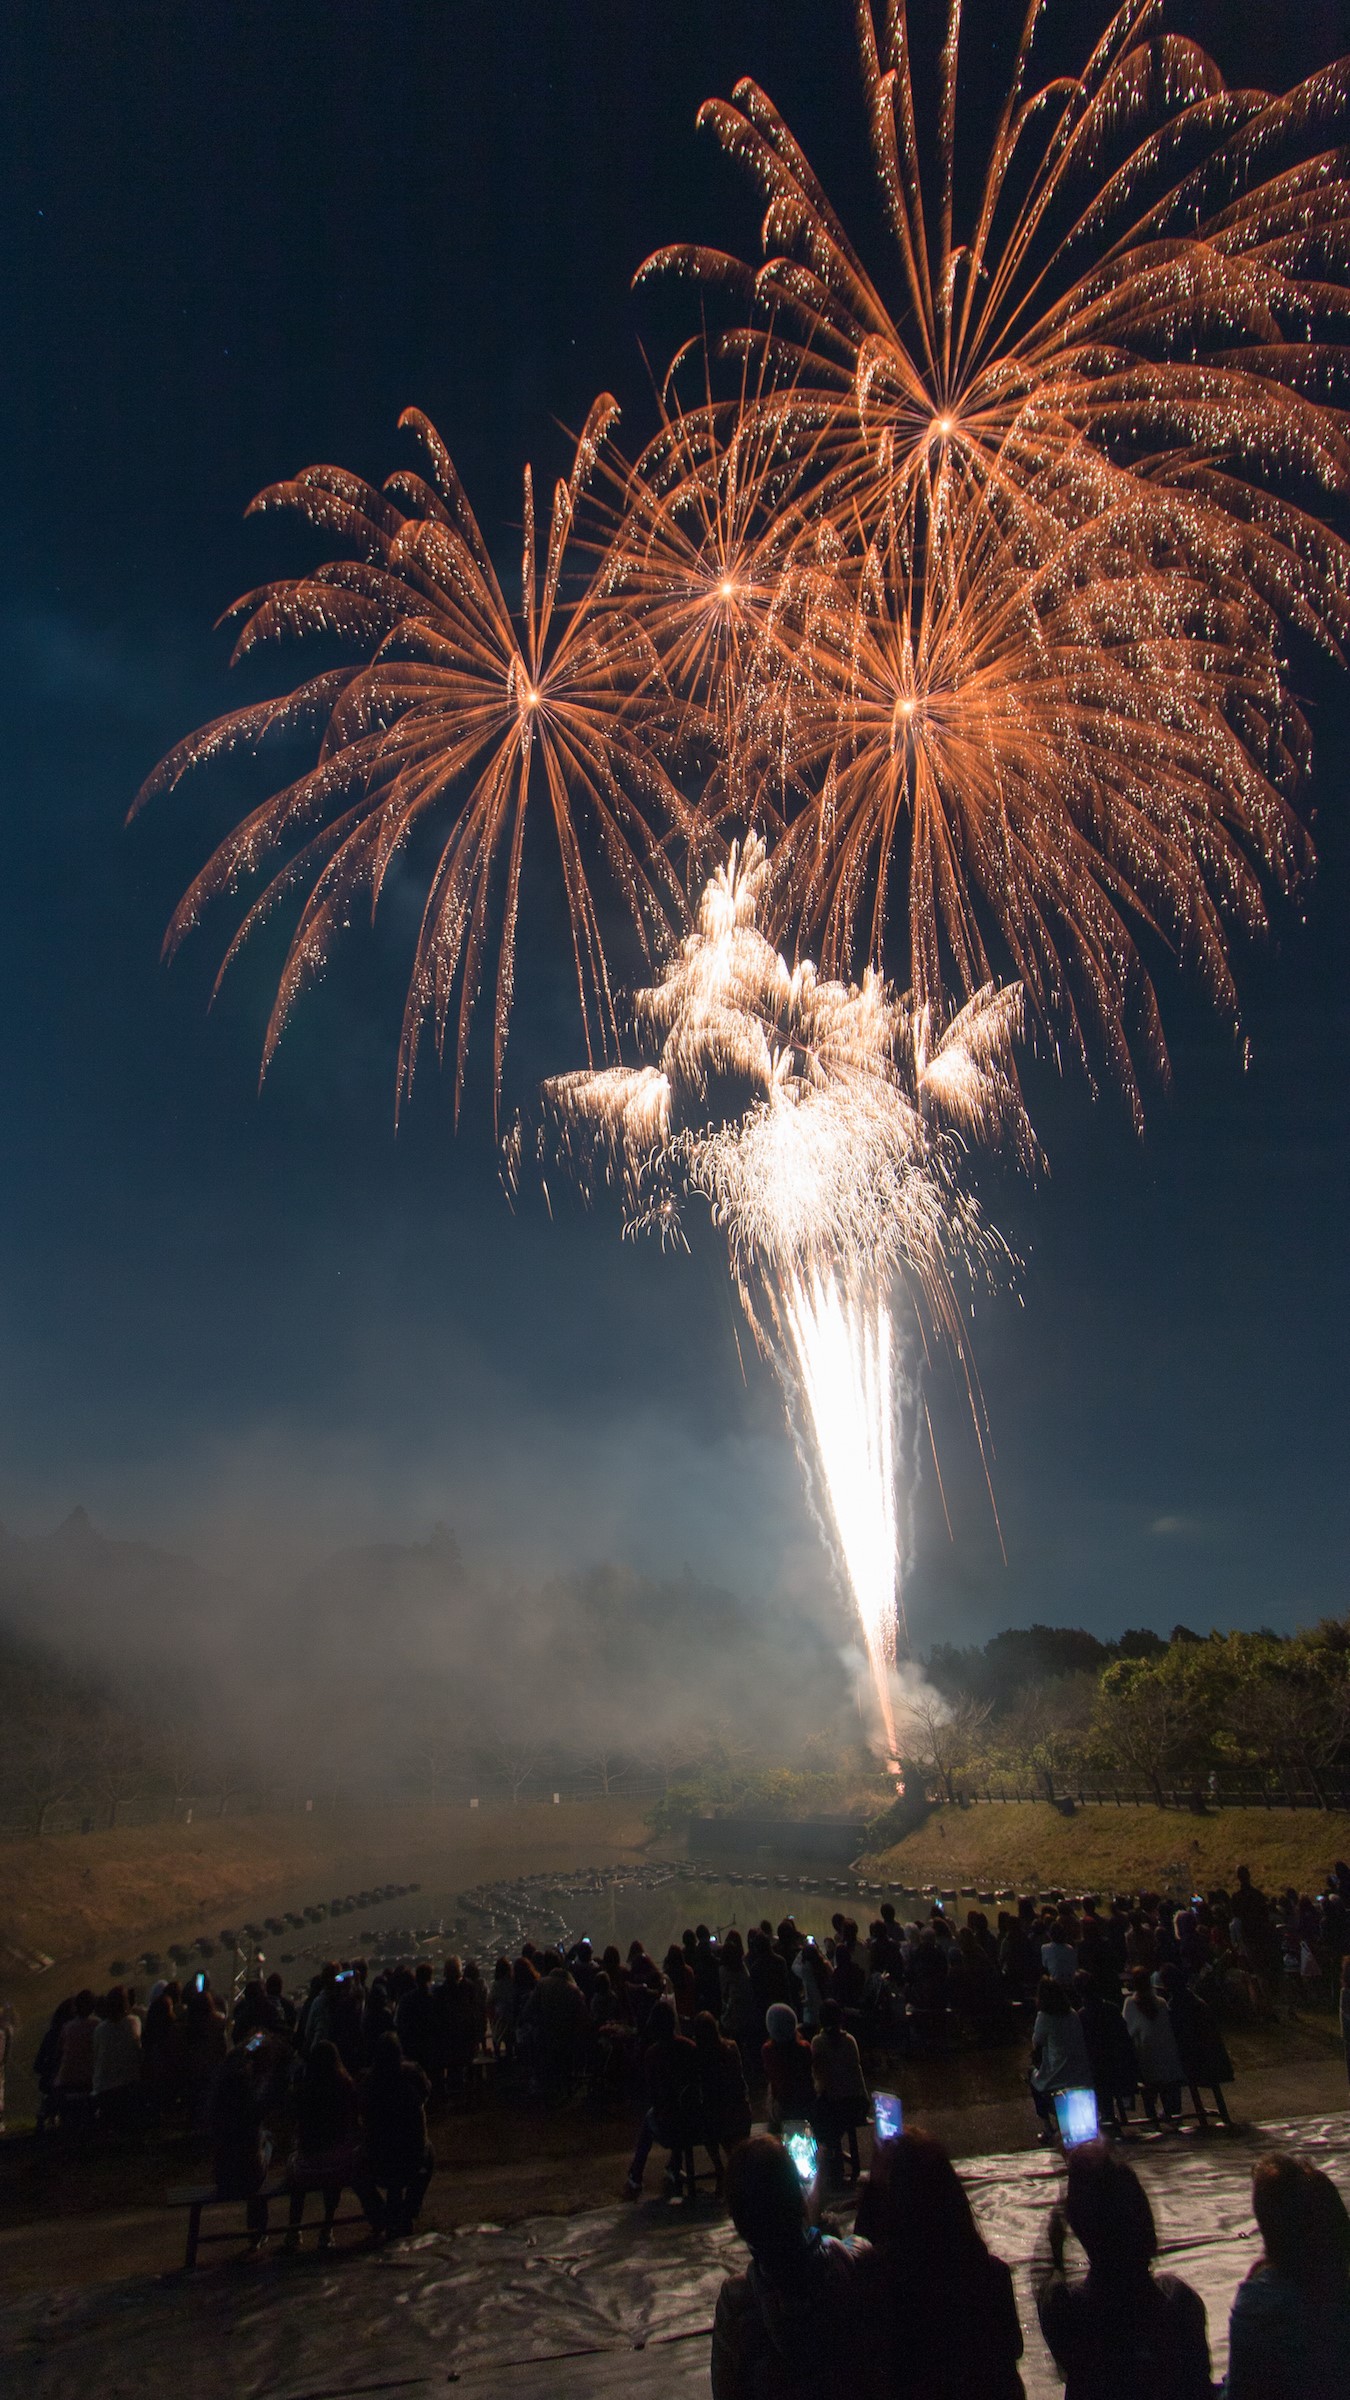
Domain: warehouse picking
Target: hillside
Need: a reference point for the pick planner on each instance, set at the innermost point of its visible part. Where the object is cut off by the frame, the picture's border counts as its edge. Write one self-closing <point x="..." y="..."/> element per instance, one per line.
<point x="1020" y="1845"/>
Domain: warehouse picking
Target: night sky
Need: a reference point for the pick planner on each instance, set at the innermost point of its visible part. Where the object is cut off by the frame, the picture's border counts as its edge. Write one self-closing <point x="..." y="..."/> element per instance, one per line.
<point x="240" y="236"/>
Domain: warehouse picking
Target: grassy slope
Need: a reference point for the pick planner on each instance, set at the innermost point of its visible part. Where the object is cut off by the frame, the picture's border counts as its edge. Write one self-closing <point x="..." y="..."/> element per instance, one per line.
<point x="71" y="1894"/>
<point x="1110" y="1849"/>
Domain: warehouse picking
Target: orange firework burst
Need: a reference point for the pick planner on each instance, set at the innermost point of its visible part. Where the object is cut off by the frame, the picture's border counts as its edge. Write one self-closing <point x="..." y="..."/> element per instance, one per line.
<point x="980" y="579"/>
<point x="1070" y="467"/>
<point x="704" y="548"/>
<point x="465" y="706"/>
<point x="1067" y="746"/>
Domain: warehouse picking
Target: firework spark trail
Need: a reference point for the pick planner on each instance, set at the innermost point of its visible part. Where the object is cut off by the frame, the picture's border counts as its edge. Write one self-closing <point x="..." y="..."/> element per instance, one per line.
<point x="842" y="1340"/>
<point x="823" y="1125"/>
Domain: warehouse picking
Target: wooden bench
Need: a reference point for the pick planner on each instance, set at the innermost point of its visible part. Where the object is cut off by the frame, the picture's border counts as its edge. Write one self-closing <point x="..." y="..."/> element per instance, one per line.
<point x="195" y="2197"/>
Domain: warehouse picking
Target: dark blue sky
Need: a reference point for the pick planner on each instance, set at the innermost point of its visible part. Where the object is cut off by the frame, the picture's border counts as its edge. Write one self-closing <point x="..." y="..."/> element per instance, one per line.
<point x="240" y="237"/>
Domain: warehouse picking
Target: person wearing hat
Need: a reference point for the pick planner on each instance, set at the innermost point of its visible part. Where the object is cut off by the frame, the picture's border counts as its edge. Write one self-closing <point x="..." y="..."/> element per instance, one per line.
<point x="787" y="2067"/>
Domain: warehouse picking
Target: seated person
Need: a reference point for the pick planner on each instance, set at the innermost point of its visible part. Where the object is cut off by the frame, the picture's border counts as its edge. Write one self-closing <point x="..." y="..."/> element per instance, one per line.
<point x="944" y="2317"/>
<point x="793" y="2324"/>
<point x="1123" y="2330"/>
<point x="1289" y="2333"/>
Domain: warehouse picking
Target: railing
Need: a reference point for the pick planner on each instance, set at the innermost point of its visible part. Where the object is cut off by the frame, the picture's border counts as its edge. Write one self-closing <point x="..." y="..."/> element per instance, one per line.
<point x="1190" y="1801"/>
<point x="463" y="1791"/>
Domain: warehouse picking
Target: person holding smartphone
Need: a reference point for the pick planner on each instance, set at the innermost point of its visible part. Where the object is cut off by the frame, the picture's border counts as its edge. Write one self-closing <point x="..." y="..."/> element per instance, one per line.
<point x="794" y="2322"/>
<point x="1122" y="2330"/>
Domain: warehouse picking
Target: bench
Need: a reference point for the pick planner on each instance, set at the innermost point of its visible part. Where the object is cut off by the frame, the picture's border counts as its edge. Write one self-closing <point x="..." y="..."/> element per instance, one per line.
<point x="195" y="2197"/>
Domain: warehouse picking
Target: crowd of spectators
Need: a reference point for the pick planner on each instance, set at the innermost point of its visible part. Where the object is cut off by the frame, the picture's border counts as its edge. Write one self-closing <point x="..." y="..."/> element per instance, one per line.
<point x="1129" y="1998"/>
<point x="330" y="2089"/>
<point x="319" y="2094"/>
<point x="915" y="2304"/>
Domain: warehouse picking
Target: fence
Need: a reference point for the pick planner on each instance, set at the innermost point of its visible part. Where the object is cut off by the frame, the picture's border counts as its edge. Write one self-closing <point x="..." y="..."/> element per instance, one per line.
<point x="1190" y="1802"/>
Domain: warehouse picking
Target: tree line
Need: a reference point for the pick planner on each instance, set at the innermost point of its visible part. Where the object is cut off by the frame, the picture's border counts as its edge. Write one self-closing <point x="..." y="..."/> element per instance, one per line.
<point x="1057" y="1708"/>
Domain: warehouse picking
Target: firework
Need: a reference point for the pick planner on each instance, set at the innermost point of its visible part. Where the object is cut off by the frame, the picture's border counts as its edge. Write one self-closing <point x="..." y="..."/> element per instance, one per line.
<point x="974" y="584"/>
<point x="706" y="545"/>
<point x="464" y="709"/>
<point x="1067" y="751"/>
<point x="818" y="1121"/>
<point x="1072" y="457"/>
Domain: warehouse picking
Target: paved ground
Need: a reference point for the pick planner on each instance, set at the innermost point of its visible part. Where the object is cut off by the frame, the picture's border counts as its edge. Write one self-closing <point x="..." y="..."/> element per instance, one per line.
<point x="604" y="2300"/>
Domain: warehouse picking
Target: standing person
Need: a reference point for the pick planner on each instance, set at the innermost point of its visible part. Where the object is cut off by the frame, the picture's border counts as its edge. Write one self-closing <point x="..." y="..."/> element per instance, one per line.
<point x="680" y="1977"/>
<point x="670" y="2066"/>
<point x="377" y="2017"/>
<point x="205" y="2042"/>
<point x="770" y="1976"/>
<point x="723" y="2101"/>
<point x="117" y="2061"/>
<point x="74" y="2079"/>
<point x="560" y="2027"/>
<point x="397" y="2161"/>
<point x="792" y="2324"/>
<point x="943" y="2306"/>
<point x="1257" y="1931"/>
<point x="1205" y="2062"/>
<point x="812" y="1971"/>
<point x="1059" y="1954"/>
<point x="1059" y="2053"/>
<point x="163" y="2051"/>
<point x="1289" y="2332"/>
<point x="325" y="2148"/>
<point x="704" y="1963"/>
<point x="1123" y="2331"/>
<point x="456" y="2041"/>
<point x="415" y="2020"/>
<point x="240" y="2152"/>
<point x="1345" y="2012"/>
<point x="9" y="2026"/>
<point x="1149" y="2025"/>
<point x="1115" y="2077"/>
<point x="740" y="2014"/>
<point x="47" y="2062"/>
<point x="842" y="2101"/>
<point x="1016" y="1960"/>
<point x="502" y="2010"/>
<point x="787" y="2068"/>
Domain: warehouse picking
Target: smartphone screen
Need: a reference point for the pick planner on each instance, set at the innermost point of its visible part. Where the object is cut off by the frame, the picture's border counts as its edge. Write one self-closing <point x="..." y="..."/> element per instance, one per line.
<point x="800" y="2145"/>
<point x="1077" y="2114"/>
<point x="887" y="2115"/>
